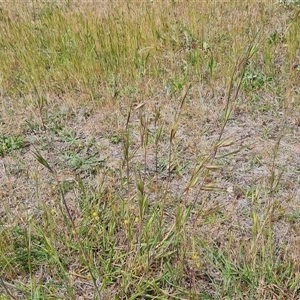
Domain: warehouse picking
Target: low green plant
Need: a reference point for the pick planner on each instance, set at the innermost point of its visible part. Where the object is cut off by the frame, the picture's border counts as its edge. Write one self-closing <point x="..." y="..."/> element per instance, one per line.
<point x="8" y="144"/>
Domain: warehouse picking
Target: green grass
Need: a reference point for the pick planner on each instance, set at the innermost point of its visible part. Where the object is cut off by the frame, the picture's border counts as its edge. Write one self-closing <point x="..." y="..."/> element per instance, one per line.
<point x="161" y="151"/>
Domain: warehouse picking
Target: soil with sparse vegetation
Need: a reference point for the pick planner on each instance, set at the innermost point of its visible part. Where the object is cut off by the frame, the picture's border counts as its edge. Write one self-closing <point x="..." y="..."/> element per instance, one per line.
<point x="149" y="150"/>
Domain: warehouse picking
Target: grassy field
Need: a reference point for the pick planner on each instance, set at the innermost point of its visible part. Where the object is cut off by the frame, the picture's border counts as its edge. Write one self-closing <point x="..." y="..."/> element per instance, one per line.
<point x="149" y="150"/>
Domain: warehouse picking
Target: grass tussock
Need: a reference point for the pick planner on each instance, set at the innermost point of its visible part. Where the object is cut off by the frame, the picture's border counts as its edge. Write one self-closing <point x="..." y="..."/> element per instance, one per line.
<point x="149" y="150"/>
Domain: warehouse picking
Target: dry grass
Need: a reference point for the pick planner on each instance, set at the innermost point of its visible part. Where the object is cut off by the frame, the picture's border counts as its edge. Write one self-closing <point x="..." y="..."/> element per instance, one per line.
<point x="149" y="150"/>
